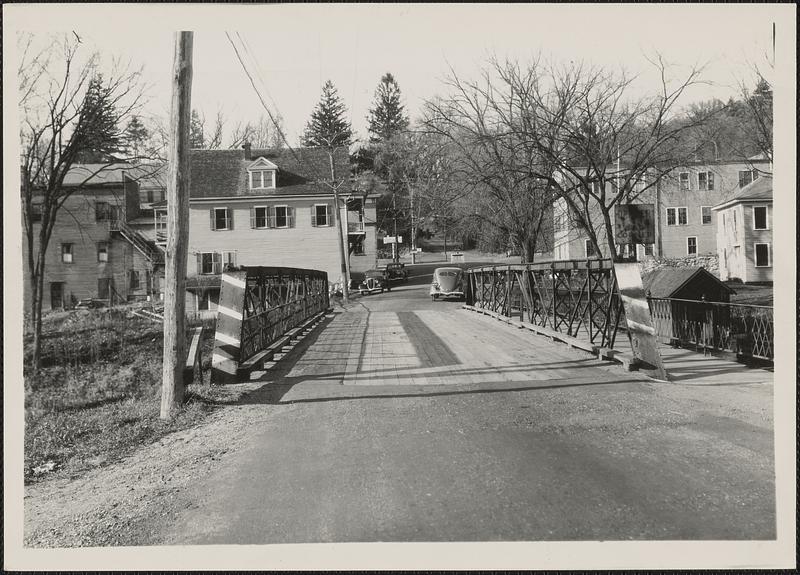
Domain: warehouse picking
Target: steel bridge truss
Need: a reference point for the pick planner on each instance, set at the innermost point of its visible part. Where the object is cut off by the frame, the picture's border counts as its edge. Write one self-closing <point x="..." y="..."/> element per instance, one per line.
<point x="578" y="298"/>
<point x="257" y="307"/>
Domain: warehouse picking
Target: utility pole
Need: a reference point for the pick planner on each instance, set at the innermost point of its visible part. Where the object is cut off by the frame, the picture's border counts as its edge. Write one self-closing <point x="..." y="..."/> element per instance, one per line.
<point x="343" y="255"/>
<point x="177" y="228"/>
<point x="394" y="216"/>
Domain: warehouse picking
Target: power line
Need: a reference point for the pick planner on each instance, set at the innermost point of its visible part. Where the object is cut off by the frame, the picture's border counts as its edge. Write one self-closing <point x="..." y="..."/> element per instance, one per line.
<point x="261" y="98"/>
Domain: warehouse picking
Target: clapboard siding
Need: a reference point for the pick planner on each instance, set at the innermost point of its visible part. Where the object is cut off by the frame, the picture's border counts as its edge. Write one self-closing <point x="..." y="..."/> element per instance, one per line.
<point x="302" y="246"/>
<point x="76" y="224"/>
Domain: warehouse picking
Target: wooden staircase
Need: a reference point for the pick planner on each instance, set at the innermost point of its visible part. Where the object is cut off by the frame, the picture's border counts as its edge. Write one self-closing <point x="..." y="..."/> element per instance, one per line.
<point x="137" y="240"/>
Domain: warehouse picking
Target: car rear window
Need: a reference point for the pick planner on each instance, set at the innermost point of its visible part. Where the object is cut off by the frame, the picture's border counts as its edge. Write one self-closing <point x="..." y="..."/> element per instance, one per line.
<point x="448" y="273"/>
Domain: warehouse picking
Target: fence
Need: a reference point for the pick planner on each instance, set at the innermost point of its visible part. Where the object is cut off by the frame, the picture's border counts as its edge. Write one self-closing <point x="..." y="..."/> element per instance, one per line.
<point x="746" y="330"/>
<point x="578" y="298"/>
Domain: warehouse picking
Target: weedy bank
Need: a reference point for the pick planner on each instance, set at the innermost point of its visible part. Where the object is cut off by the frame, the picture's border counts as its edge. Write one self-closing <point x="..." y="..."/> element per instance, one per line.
<point x="97" y="395"/>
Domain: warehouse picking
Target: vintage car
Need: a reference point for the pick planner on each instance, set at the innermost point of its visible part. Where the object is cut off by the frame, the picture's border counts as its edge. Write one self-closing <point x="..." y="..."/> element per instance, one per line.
<point x="374" y="282"/>
<point x="447" y="282"/>
<point x="396" y="271"/>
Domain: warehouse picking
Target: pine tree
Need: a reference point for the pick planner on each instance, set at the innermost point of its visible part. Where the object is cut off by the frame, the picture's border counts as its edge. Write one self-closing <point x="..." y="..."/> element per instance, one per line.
<point x="136" y="136"/>
<point x="328" y="126"/>
<point x="386" y="118"/>
<point x="197" y="138"/>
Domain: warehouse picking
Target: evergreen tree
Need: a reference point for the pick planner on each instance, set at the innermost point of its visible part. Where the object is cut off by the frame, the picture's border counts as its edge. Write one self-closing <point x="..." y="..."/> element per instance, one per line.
<point x="97" y="129"/>
<point x="197" y="138"/>
<point x="136" y="137"/>
<point x="328" y="126"/>
<point x="386" y="118"/>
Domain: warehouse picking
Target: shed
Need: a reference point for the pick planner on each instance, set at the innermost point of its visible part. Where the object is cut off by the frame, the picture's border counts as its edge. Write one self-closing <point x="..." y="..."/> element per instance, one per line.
<point x="691" y="283"/>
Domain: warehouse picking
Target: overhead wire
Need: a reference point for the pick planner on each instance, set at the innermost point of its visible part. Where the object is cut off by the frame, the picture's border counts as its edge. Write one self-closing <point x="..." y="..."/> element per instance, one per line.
<point x="261" y="98"/>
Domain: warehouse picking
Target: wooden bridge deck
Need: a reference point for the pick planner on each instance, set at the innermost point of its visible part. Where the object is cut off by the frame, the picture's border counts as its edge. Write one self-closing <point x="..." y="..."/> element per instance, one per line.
<point x="454" y="346"/>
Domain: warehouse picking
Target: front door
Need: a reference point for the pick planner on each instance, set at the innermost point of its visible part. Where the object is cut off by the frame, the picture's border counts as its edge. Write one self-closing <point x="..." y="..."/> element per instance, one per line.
<point x="56" y="295"/>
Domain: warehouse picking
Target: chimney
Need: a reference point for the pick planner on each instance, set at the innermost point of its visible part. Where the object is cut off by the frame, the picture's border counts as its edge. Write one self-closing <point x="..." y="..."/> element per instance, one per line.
<point x="246" y="147"/>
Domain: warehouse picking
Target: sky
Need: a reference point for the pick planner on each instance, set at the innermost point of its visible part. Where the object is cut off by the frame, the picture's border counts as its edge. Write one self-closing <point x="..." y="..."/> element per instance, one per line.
<point x="297" y="47"/>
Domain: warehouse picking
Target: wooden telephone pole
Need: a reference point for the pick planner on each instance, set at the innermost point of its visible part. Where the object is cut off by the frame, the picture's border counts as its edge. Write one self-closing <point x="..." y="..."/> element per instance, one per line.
<point x="177" y="228"/>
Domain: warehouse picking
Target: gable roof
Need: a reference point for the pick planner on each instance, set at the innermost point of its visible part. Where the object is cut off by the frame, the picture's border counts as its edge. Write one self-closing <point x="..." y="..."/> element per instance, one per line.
<point x="96" y="174"/>
<point x="759" y="190"/>
<point x="665" y="282"/>
<point x="223" y="173"/>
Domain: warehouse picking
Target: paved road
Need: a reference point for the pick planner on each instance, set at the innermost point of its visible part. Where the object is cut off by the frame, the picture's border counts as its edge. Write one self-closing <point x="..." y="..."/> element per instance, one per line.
<point x="411" y="420"/>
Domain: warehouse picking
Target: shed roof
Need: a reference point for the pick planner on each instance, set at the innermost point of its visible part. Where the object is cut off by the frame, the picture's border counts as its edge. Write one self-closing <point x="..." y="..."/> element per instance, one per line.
<point x="96" y="174"/>
<point x="665" y="282"/>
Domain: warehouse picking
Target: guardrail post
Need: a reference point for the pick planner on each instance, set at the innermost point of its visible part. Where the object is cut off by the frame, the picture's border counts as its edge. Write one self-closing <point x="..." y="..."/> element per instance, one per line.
<point x="227" y="339"/>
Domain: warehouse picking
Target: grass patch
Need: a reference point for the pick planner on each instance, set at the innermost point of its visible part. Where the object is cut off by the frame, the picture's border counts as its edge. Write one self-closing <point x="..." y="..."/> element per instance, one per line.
<point x="98" y="396"/>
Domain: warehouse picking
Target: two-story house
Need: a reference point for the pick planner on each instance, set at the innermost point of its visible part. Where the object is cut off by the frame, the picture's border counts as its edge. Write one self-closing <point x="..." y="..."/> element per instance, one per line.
<point x="744" y="233"/>
<point x="274" y="208"/>
<point x="684" y="220"/>
<point x="93" y="253"/>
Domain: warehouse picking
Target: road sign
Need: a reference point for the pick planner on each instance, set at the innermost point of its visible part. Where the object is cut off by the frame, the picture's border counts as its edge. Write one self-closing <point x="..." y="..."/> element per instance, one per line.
<point x="393" y="239"/>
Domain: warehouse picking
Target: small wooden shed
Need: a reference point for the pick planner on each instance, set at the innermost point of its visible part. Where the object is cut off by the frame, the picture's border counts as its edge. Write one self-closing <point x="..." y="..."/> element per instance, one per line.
<point x="691" y="283"/>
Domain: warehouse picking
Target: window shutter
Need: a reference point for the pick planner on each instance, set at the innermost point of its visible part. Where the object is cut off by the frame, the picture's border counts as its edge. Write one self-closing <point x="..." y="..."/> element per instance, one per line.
<point x="229" y="215"/>
<point x="213" y="220"/>
<point x="217" y="262"/>
<point x="199" y="263"/>
<point x="271" y="216"/>
<point x="290" y="216"/>
<point x="313" y="215"/>
<point x="328" y="215"/>
<point x="252" y="217"/>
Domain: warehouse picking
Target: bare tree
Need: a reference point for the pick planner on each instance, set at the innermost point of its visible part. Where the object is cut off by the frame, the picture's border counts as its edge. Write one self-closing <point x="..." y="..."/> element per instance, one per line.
<point x="263" y="133"/>
<point x="70" y="113"/>
<point x="510" y="178"/>
<point x="599" y="146"/>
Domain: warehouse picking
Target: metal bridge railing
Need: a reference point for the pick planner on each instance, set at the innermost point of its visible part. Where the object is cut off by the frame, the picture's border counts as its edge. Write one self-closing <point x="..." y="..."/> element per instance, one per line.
<point x="277" y="300"/>
<point x="579" y="298"/>
<point x="747" y="330"/>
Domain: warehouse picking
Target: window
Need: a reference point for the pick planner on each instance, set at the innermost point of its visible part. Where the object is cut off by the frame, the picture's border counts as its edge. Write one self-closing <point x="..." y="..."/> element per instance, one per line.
<point x="36" y="212"/>
<point x="747" y="177"/>
<point x="677" y="216"/>
<point x="220" y="219"/>
<point x="66" y="253"/>
<point x="760" y="218"/>
<point x="683" y="180"/>
<point x="133" y="282"/>
<point x="103" y="211"/>
<point x="102" y="251"/>
<point x="281" y="218"/>
<point x="258" y="217"/>
<point x="208" y="300"/>
<point x="705" y="215"/>
<point x="691" y="246"/>
<point x="228" y="260"/>
<point x="762" y="255"/>
<point x="648" y="249"/>
<point x="209" y="263"/>
<point x="320" y="215"/>
<point x="590" y="253"/>
<point x="262" y="179"/>
<point x="705" y="181"/>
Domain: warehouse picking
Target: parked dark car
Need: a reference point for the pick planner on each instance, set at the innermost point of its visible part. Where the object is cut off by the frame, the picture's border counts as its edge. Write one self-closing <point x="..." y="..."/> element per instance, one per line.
<point x="374" y="282"/>
<point x="396" y="271"/>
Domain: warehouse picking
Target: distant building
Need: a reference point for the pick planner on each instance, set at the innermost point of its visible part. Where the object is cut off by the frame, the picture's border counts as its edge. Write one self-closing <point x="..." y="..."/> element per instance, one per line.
<point x="685" y="222"/>
<point x="744" y="233"/>
<point x="93" y="252"/>
<point x="269" y="208"/>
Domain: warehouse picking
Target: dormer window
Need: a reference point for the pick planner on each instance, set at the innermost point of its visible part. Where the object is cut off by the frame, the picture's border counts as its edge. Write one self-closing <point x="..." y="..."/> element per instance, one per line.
<point x="262" y="174"/>
<point x="262" y="179"/>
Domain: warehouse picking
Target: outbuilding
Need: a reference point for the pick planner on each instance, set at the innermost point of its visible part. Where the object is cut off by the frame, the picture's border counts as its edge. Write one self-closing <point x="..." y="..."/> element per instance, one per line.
<point x="689" y="283"/>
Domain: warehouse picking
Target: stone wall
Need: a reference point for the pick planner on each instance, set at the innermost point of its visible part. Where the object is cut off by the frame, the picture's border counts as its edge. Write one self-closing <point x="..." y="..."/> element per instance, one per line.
<point x="708" y="261"/>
